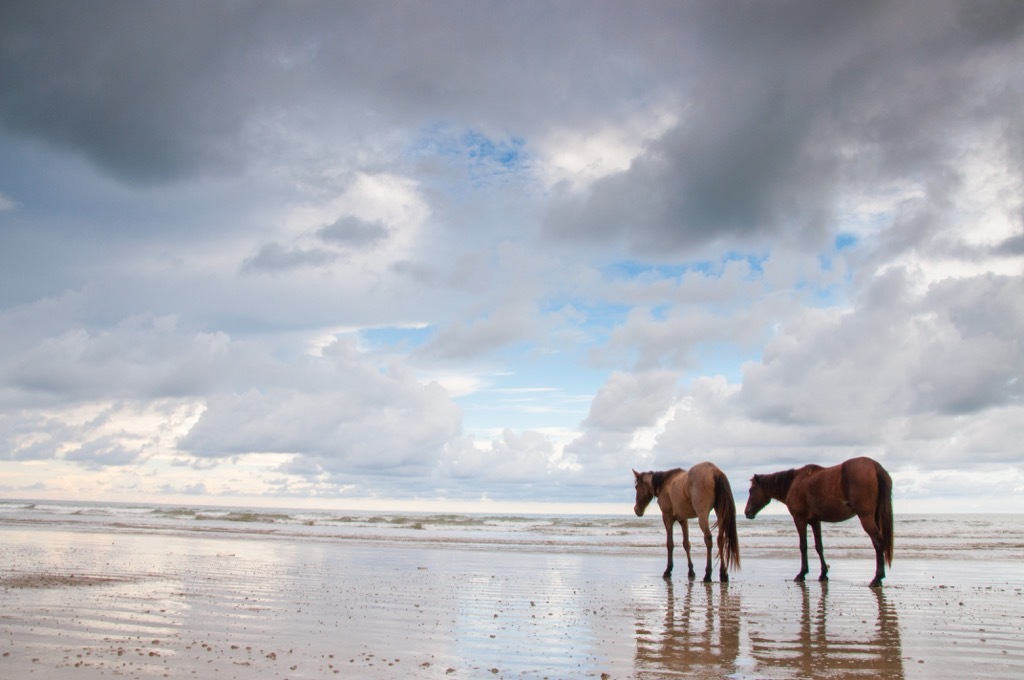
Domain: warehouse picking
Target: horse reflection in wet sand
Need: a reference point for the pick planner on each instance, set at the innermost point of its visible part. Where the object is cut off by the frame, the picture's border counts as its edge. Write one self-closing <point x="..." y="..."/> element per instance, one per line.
<point x="860" y="640"/>
<point x="813" y="494"/>
<point x="700" y="632"/>
<point x="685" y="494"/>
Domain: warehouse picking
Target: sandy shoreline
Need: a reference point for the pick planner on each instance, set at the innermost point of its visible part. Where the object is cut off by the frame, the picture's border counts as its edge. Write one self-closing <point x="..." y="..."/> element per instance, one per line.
<point x="81" y="604"/>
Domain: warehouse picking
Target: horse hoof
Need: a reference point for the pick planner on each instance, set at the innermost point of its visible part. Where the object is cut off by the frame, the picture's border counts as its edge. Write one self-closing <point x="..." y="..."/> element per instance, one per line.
<point x="667" y="576"/>
<point x="707" y="579"/>
<point x="799" y="578"/>
<point x="823" y="578"/>
<point x="724" y="578"/>
<point x="877" y="583"/>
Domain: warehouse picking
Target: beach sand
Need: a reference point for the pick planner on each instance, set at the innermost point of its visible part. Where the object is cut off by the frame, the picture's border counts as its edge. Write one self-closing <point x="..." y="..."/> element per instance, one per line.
<point x="82" y="604"/>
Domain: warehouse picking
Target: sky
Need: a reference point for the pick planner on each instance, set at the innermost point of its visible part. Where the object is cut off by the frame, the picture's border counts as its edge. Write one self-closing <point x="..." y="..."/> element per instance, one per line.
<point x="493" y="255"/>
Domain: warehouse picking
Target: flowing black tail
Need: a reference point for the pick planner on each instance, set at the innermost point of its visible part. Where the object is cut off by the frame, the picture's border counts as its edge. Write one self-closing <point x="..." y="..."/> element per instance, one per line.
<point x="725" y="511"/>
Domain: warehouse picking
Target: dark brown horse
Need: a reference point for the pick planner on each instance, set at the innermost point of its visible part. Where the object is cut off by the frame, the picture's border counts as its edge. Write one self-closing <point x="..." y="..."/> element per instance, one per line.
<point x="814" y="494"/>
<point x="683" y="495"/>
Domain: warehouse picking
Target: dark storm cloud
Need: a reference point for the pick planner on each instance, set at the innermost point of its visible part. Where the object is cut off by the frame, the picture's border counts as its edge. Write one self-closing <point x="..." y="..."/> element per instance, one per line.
<point x="157" y="91"/>
<point x="791" y="101"/>
<point x="147" y="91"/>
<point x="992" y="21"/>
<point x="152" y="92"/>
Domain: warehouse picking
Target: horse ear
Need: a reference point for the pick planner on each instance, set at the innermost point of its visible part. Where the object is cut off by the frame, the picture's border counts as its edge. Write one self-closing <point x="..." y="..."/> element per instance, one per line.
<point x="636" y="474"/>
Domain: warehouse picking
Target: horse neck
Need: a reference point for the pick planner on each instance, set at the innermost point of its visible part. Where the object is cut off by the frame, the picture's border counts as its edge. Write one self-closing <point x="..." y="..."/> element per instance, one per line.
<point x="658" y="479"/>
<point x="777" y="483"/>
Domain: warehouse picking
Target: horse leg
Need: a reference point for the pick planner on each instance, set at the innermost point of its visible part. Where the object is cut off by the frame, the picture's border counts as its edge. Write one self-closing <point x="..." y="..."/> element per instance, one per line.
<point x="876" y="582"/>
<point x="868" y="522"/>
<point x="690" y="574"/>
<point x="820" y="549"/>
<point x="801" y="530"/>
<point x="669" y="545"/>
<point x="705" y="528"/>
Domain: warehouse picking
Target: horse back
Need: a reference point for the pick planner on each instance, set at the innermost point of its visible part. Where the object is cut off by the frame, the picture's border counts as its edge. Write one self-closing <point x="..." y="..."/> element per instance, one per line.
<point x="818" y="494"/>
<point x="836" y="493"/>
<point x="690" y="493"/>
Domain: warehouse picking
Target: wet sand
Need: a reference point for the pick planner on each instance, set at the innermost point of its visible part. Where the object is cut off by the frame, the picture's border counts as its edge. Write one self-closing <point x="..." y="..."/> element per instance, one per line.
<point x="80" y="604"/>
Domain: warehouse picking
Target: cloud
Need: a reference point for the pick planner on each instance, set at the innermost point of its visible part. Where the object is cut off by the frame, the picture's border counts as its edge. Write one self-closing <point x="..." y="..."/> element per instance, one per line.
<point x="952" y="352"/>
<point x="502" y="327"/>
<point x="343" y="414"/>
<point x="120" y="84"/>
<point x="1011" y="247"/>
<point x="770" y="134"/>
<point x="142" y="357"/>
<point x="629" y="401"/>
<point x="321" y="249"/>
<point x="900" y="376"/>
<point x="516" y="457"/>
<point x="273" y="257"/>
<point x="353" y="232"/>
<point x="97" y="434"/>
<point x="511" y="279"/>
<point x="151" y="95"/>
<point x="103" y="452"/>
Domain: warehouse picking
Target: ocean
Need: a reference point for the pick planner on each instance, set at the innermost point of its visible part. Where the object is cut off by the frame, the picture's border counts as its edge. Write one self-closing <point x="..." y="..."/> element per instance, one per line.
<point x="998" y="537"/>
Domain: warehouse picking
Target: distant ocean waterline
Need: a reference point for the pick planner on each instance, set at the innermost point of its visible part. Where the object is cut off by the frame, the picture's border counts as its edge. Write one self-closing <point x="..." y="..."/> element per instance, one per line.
<point x="962" y="537"/>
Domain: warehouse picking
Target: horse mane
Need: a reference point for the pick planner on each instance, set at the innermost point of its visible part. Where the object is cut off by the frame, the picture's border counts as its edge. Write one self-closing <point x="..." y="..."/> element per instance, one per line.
<point x="777" y="483"/>
<point x="658" y="479"/>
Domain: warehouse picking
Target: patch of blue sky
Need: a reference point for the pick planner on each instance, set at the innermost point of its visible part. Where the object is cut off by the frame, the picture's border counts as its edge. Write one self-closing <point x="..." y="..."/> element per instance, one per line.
<point x="434" y="140"/>
<point x="661" y="312"/>
<point x="828" y="295"/>
<point x="402" y="337"/>
<point x="846" y="240"/>
<point x="538" y="392"/>
<point x="630" y="269"/>
<point x="755" y="262"/>
<point x="508" y="153"/>
<point x="822" y="296"/>
<point x="478" y="153"/>
<point x="843" y="241"/>
<point x="634" y="270"/>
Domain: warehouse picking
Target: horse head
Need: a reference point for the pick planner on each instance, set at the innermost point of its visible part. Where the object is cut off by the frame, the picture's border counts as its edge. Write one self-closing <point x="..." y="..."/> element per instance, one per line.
<point x="644" y="491"/>
<point x="757" y="499"/>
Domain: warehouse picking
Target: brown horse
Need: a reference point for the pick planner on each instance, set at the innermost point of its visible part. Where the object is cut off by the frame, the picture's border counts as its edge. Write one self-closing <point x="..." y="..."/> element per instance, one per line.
<point x="814" y="494"/>
<point x="683" y="495"/>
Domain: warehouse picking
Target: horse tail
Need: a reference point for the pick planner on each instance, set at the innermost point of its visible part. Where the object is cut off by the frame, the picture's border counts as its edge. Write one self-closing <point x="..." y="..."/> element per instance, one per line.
<point x="725" y="510"/>
<point x="883" y="512"/>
